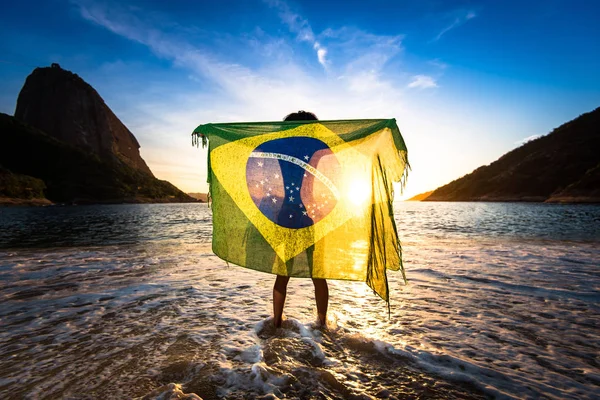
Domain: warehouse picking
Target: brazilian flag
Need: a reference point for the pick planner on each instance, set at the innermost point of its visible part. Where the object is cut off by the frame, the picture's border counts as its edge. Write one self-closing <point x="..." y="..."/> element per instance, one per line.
<point x="307" y="198"/>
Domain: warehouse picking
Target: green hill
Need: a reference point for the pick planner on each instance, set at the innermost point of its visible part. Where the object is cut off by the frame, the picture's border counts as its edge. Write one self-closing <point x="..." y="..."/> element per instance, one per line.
<point x="17" y="189"/>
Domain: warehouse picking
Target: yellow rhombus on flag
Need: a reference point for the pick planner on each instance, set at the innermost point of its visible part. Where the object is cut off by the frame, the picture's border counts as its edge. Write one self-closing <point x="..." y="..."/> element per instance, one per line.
<point x="309" y="199"/>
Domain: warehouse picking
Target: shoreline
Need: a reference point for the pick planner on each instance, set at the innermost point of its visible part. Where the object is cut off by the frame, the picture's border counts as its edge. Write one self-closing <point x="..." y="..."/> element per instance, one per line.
<point x="16" y="202"/>
<point x="562" y="200"/>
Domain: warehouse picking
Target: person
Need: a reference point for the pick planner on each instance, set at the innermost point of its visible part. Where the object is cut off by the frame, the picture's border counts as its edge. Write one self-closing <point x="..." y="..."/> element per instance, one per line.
<point x="281" y="282"/>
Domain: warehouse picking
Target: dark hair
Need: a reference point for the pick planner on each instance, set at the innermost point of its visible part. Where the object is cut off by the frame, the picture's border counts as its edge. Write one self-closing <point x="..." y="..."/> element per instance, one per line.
<point x="301" y="116"/>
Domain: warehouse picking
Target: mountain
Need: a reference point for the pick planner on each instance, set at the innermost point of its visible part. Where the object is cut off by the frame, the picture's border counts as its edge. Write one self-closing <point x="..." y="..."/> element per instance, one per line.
<point x="563" y="166"/>
<point x="72" y="175"/>
<point x="64" y="106"/>
<point x="61" y="104"/>
<point x="202" y="197"/>
<point x="421" y="196"/>
<point x="65" y="144"/>
<point x="586" y="189"/>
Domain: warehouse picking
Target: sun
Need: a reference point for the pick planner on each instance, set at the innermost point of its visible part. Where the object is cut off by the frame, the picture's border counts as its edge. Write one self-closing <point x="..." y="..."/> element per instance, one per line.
<point x="359" y="191"/>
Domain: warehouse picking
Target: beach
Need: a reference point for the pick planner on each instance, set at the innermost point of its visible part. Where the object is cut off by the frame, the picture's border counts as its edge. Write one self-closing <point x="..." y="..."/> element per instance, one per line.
<point x="128" y="301"/>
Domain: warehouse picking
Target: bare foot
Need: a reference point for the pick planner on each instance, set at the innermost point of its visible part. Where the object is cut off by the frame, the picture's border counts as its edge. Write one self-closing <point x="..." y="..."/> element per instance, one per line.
<point x="322" y="321"/>
<point x="277" y="322"/>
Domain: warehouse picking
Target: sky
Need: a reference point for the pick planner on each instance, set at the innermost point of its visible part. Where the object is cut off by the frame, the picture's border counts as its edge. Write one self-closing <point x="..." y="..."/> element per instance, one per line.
<point x="466" y="81"/>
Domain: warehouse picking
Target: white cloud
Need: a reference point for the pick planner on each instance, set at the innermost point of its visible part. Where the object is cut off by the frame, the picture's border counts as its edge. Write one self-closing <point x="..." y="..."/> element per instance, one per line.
<point x="422" y="82"/>
<point x="321" y="53"/>
<point x="280" y="86"/>
<point x="300" y="26"/>
<point x="527" y="139"/>
<point x="267" y="80"/>
<point x="356" y="88"/>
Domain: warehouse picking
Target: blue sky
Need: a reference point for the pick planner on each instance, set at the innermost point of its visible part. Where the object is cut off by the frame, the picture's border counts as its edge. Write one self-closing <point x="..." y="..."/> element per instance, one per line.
<point x="467" y="81"/>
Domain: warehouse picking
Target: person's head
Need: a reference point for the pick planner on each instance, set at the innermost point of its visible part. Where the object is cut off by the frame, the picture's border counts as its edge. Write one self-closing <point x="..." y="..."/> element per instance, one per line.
<point x="301" y="116"/>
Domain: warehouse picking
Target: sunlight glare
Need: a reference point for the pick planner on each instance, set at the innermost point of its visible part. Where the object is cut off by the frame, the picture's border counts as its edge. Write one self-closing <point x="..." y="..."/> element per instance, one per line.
<point x="359" y="191"/>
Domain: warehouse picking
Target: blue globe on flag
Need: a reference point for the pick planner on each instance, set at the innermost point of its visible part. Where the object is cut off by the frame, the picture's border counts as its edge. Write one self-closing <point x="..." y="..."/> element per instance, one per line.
<point x="292" y="180"/>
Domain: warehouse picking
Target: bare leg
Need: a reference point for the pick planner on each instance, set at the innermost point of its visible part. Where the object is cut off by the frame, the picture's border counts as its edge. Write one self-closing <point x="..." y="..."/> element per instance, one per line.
<point x="279" y="292"/>
<point x="322" y="298"/>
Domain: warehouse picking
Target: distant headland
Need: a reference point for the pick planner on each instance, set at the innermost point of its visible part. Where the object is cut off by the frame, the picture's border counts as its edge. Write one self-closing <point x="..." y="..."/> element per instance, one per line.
<point x="561" y="167"/>
<point x="202" y="197"/>
<point x="65" y="145"/>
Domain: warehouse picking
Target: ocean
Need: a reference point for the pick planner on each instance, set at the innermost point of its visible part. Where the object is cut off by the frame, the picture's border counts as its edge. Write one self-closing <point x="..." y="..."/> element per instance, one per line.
<point x="128" y="301"/>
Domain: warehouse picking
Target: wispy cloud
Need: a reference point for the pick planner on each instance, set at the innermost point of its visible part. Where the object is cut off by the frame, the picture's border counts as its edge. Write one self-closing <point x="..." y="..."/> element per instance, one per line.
<point x="259" y="77"/>
<point x="282" y="85"/>
<point x="364" y="48"/>
<point x="301" y="27"/>
<point x="457" y="20"/>
<point x="438" y="64"/>
<point x="422" y="82"/>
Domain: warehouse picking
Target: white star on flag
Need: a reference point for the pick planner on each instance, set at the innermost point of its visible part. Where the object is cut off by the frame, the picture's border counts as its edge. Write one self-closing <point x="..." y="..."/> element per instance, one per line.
<point x="274" y="200"/>
<point x="306" y="157"/>
<point x="260" y="163"/>
<point x="291" y="198"/>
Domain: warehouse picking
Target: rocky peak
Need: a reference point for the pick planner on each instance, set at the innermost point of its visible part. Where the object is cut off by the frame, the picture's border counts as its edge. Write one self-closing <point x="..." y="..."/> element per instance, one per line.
<point x="63" y="105"/>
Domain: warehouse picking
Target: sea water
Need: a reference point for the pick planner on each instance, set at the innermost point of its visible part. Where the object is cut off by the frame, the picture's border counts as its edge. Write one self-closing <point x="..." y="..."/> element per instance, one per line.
<point x="128" y="301"/>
